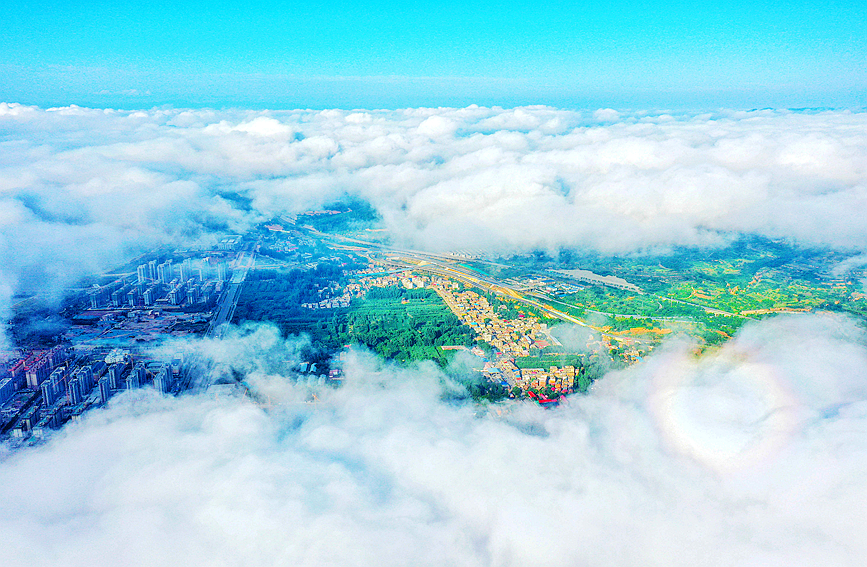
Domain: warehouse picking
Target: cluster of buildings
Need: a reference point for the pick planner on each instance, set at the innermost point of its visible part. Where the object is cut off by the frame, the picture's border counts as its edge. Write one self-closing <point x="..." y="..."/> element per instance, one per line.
<point x="405" y="279"/>
<point x="560" y="380"/>
<point x="164" y="284"/>
<point x="511" y="337"/>
<point x="378" y="279"/>
<point x="544" y="285"/>
<point x="28" y="371"/>
<point x="45" y="389"/>
<point x="229" y="243"/>
<point x="331" y="302"/>
<point x="294" y="239"/>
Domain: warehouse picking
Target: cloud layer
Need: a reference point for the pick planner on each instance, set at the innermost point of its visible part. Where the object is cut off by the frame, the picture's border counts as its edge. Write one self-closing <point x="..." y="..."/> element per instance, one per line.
<point x="81" y="189"/>
<point x="754" y="456"/>
<point x="519" y="178"/>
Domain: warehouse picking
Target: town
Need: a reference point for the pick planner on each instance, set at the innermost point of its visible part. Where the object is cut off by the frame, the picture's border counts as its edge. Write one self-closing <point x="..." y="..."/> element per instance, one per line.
<point x="106" y="348"/>
<point x="509" y="319"/>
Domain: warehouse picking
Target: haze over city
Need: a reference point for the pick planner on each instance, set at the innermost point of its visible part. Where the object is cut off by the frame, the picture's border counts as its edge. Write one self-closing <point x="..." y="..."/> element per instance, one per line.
<point x="173" y="176"/>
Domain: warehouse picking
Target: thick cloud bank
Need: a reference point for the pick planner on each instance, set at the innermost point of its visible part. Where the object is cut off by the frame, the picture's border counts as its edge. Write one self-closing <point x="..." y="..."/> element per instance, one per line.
<point x="754" y="456"/>
<point x="80" y="188"/>
<point x="524" y="177"/>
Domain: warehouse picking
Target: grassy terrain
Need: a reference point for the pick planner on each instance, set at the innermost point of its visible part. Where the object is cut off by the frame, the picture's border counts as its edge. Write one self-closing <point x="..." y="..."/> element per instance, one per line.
<point x="405" y="325"/>
<point x="548" y="360"/>
<point x="400" y="324"/>
<point x="750" y="278"/>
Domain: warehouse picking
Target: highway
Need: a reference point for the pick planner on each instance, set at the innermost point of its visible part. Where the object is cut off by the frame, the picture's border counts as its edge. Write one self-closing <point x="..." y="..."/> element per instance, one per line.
<point x="229" y="300"/>
<point x="440" y="264"/>
<point x="422" y="262"/>
<point x="445" y="265"/>
<point x="196" y="374"/>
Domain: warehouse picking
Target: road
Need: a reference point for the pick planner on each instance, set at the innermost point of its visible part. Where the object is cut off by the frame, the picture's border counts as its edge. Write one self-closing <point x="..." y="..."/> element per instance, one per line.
<point x="229" y="300"/>
<point x="441" y="264"/>
<point x="196" y="375"/>
<point x="707" y="309"/>
<point x="445" y="265"/>
<point x="423" y="262"/>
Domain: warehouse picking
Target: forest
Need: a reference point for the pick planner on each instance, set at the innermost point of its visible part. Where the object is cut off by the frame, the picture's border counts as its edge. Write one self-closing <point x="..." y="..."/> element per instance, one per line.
<point x="397" y="323"/>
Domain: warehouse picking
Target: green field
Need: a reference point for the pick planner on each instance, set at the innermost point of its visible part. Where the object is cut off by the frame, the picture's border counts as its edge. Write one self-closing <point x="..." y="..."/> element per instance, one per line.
<point x="708" y="294"/>
<point x="749" y="279"/>
<point x="404" y="325"/>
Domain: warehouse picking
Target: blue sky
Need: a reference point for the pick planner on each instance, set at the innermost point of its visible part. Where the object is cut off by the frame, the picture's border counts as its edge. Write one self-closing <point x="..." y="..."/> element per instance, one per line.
<point x="388" y="54"/>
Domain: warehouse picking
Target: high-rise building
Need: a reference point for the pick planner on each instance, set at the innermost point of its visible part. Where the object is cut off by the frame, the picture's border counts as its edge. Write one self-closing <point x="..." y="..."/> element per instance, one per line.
<point x="137" y="377"/>
<point x="206" y="291"/>
<point x="48" y="394"/>
<point x="186" y="269"/>
<point x="104" y="390"/>
<point x="7" y="389"/>
<point x="57" y="355"/>
<point x="115" y="375"/>
<point x="17" y="374"/>
<point x="192" y="294"/>
<point x="176" y="295"/>
<point x="162" y="381"/>
<point x="142" y="273"/>
<point x="73" y="391"/>
<point x="222" y="272"/>
<point x="58" y="379"/>
<point x="86" y="376"/>
<point x="37" y="371"/>
<point x="152" y="270"/>
<point x="121" y="296"/>
<point x="53" y="388"/>
<point x="165" y="272"/>
<point x="96" y="298"/>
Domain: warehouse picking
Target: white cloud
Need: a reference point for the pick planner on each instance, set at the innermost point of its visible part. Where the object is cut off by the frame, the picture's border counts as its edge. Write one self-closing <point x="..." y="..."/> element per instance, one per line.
<point x="81" y="187"/>
<point x="753" y="456"/>
<point x="606" y="115"/>
<point x="437" y="127"/>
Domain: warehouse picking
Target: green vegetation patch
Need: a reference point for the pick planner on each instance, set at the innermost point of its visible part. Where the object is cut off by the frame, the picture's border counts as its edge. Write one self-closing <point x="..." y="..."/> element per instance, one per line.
<point x="402" y="324"/>
<point x="352" y="215"/>
<point x="548" y="360"/>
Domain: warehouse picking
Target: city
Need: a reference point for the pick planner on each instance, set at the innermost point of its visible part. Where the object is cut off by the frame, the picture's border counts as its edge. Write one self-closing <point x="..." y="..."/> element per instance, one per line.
<point x="107" y="347"/>
<point x="511" y="321"/>
<point x="470" y="284"/>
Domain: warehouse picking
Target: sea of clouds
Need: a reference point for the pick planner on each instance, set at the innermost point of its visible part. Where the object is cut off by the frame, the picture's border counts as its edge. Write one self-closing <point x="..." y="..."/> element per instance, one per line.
<point x="752" y="456"/>
<point x="79" y="188"/>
